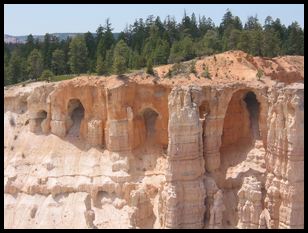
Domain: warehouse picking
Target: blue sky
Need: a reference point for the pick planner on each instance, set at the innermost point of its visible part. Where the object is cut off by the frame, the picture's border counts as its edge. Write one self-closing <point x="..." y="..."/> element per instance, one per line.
<point x="23" y="19"/>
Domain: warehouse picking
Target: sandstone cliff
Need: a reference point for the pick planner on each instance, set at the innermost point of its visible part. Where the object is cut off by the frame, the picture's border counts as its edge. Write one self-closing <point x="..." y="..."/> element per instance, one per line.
<point x="138" y="151"/>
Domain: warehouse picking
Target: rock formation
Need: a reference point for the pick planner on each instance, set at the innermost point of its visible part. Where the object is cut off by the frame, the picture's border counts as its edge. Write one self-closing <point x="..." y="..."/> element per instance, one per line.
<point x="140" y="151"/>
<point x="250" y="203"/>
<point x="216" y="211"/>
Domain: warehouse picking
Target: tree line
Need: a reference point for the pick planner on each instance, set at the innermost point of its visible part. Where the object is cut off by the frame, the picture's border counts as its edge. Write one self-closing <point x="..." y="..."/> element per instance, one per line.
<point x="147" y="43"/>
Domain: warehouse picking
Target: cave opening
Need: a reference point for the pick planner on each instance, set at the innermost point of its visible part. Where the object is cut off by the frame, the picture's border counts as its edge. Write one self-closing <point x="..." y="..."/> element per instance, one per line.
<point x="237" y="151"/>
<point x="76" y="115"/>
<point x="241" y="122"/>
<point x="150" y="117"/>
<point x="253" y="107"/>
<point x="40" y="117"/>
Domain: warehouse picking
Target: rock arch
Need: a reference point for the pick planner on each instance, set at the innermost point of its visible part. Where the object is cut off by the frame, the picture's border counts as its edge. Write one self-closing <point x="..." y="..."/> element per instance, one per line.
<point x="241" y="121"/>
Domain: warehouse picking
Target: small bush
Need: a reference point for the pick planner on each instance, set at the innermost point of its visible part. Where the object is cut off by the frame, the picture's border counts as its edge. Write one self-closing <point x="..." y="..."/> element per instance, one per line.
<point x="193" y="67"/>
<point x="259" y="74"/>
<point x="46" y="76"/>
<point x="206" y="73"/>
<point x="177" y="68"/>
<point x="150" y="67"/>
<point x="168" y="75"/>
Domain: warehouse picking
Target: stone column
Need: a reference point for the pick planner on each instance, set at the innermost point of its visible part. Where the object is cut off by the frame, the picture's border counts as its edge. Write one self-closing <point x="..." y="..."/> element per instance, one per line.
<point x="184" y="192"/>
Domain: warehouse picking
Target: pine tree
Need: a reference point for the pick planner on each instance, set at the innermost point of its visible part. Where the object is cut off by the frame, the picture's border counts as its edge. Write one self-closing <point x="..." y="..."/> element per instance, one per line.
<point x="108" y="36"/>
<point x="14" y="68"/>
<point x="100" y="65"/>
<point x="47" y="52"/>
<point x="295" y="40"/>
<point x="91" y="47"/>
<point x="46" y="76"/>
<point x="29" y="45"/>
<point x="271" y="44"/>
<point x="78" y="55"/>
<point x="161" y="52"/>
<point x="99" y="34"/>
<point x="120" y="57"/>
<point x="182" y="50"/>
<point x="35" y="64"/>
<point x="109" y="59"/>
<point x="150" y="67"/>
<point x="58" y="62"/>
<point x="90" y="43"/>
<point x="244" y="41"/>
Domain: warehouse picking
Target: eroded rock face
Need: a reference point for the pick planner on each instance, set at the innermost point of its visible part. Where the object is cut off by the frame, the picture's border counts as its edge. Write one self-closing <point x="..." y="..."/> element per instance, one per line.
<point x="139" y="152"/>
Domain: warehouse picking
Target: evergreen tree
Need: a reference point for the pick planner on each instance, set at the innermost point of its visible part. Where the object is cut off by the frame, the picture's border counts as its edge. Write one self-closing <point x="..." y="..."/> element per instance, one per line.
<point x="161" y="52"/>
<point x="30" y="45"/>
<point x="100" y="65"/>
<point x="78" y="55"/>
<point x="35" y="64"/>
<point x="244" y="41"/>
<point x="101" y="49"/>
<point x="205" y="25"/>
<point x="210" y="44"/>
<point x="271" y="43"/>
<point x="227" y="21"/>
<point x="295" y="41"/>
<point x="108" y="36"/>
<point x="90" y="43"/>
<point x="182" y="50"/>
<point x="234" y="39"/>
<point x="120" y="57"/>
<point x="6" y="77"/>
<point x="99" y="33"/>
<point x="256" y="42"/>
<point x="14" y="68"/>
<point x="150" y="67"/>
<point x="46" y="76"/>
<point x="47" y="52"/>
<point x="109" y="59"/>
<point x="253" y="23"/>
<point x="24" y="69"/>
<point x="171" y="29"/>
<point x="58" y="62"/>
<point x="91" y="47"/>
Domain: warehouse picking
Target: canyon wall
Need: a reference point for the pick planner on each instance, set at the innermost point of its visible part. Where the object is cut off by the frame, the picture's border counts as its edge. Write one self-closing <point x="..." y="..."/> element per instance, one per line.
<point x="122" y="152"/>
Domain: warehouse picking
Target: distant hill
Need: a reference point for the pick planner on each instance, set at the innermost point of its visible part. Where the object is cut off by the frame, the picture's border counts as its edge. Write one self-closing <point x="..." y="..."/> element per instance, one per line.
<point x="61" y="36"/>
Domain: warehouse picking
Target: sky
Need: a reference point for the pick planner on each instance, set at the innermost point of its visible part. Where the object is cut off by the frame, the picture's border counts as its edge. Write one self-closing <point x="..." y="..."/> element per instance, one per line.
<point x="38" y="19"/>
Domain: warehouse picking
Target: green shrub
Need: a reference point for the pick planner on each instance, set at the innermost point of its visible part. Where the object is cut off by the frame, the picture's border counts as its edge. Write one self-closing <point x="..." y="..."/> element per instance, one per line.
<point x="46" y="75"/>
<point x="193" y="67"/>
<point x="259" y="74"/>
<point x="206" y="73"/>
<point x="150" y="67"/>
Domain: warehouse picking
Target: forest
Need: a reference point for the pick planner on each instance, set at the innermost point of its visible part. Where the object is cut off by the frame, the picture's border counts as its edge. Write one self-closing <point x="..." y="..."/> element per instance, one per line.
<point x="145" y="44"/>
